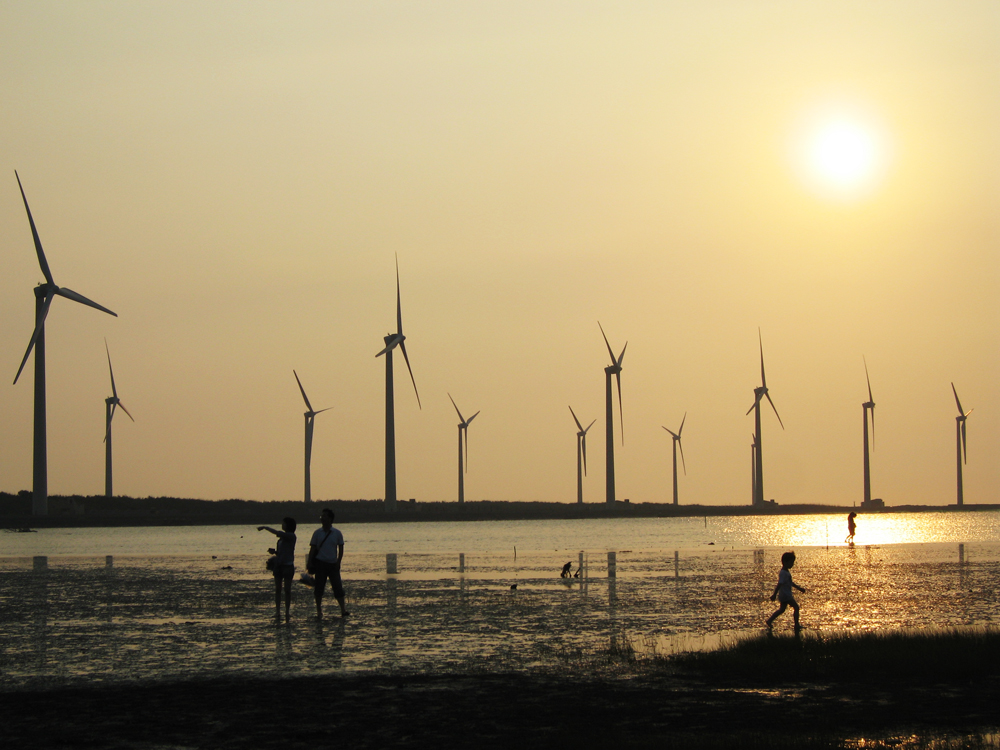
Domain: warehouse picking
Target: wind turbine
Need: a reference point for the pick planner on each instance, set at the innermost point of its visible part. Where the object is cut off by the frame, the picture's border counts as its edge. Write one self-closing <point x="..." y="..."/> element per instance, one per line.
<point x="310" y="416"/>
<point x="615" y="368"/>
<point x="110" y="404"/>
<point x="392" y="340"/>
<point x="581" y="454"/>
<point x="44" y="294"/>
<point x="753" y="468"/>
<point x="869" y="404"/>
<point x="677" y="443"/>
<point x="463" y="427"/>
<point x="960" y="441"/>
<point x="759" y="393"/>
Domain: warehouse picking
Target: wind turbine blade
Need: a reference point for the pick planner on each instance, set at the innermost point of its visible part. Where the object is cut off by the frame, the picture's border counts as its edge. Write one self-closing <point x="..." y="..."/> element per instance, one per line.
<point x="610" y="353"/>
<point x="469" y="420"/>
<point x="466" y="432"/>
<point x="114" y="391"/>
<point x="34" y="234"/>
<point x="402" y="346"/>
<point x="309" y="441"/>
<point x="963" y="442"/>
<point x="583" y="444"/>
<point x="303" y="390"/>
<point x="589" y="426"/>
<point x="683" y="462"/>
<point x="873" y="428"/>
<point x="621" y="414"/>
<point x="38" y="332"/>
<point x="322" y="410"/>
<point x="622" y="355"/>
<point x="125" y="410"/>
<point x="679" y="431"/>
<point x="399" y="309"/>
<point x="76" y="297"/>
<point x="755" y="402"/>
<point x="670" y="431"/>
<point x="456" y="409"/>
<point x="957" y="402"/>
<point x="870" y="399"/>
<point x="578" y="425"/>
<point x="775" y="410"/>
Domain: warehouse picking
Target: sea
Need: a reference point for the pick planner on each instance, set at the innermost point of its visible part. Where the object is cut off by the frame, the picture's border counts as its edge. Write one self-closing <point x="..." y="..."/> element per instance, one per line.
<point x="84" y="605"/>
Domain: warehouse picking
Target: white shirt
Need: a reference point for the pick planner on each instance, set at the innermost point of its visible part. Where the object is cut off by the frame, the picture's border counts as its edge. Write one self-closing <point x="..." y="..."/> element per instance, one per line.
<point x="327" y="550"/>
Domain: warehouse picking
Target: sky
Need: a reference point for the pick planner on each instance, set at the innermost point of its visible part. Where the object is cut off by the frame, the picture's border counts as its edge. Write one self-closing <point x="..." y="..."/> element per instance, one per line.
<point x="237" y="179"/>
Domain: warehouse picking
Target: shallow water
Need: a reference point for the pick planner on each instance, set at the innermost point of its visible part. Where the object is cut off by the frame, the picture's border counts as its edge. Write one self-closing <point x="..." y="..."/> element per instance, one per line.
<point x="67" y="619"/>
<point x="487" y="537"/>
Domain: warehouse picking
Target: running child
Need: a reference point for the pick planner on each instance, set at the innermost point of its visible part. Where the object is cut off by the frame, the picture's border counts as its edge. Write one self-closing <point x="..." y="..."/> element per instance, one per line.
<point x="783" y="591"/>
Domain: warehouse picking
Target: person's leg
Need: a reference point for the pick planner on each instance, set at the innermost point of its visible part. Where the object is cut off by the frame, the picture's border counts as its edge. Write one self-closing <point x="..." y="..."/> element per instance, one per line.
<point x="795" y="612"/>
<point x="321" y="574"/>
<point x="338" y="590"/>
<point x="777" y="614"/>
<point x="277" y="593"/>
<point x="288" y="596"/>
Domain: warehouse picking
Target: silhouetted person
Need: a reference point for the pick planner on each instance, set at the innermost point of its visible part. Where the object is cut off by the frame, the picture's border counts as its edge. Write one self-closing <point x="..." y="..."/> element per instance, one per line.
<point x="565" y="570"/>
<point x="284" y="566"/>
<point x="326" y="550"/>
<point x="783" y="590"/>
<point x="851" y="526"/>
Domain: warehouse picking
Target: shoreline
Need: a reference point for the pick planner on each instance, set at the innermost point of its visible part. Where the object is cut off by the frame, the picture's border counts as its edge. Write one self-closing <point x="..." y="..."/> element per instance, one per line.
<point x="99" y="511"/>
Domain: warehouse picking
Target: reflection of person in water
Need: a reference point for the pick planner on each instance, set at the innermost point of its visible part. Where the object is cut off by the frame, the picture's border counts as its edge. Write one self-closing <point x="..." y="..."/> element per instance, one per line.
<point x="565" y="570"/>
<point x="851" y="526"/>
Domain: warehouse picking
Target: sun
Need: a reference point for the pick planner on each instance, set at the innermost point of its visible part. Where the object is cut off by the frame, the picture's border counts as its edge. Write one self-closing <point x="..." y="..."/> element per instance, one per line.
<point x="841" y="154"/>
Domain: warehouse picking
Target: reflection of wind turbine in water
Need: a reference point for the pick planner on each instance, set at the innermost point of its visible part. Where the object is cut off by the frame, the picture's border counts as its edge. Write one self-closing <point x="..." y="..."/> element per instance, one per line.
<point x="581" y="454"/>
<point x="615" y="368"/>
<point x="44" y="294"/>
<point x="960" y="441"/>
<point x="393" y="340"/>
<point x="869" y="404"/>
<point x="677" y="443"/>
<point x="463" y="427"/>
<point x="310" y="416"/>
<point x="759" y="393"/>
<point x="110" y="404"/>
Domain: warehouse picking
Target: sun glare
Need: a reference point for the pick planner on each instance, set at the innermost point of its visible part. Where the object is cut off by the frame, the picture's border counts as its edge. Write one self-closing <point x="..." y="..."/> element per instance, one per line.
<point x="841" y="155"/>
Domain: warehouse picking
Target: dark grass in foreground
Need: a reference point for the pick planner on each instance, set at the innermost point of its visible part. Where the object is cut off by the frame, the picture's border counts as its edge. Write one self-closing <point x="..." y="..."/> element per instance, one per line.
<point x="868" y="691"/>
<point x="944" y="655"/>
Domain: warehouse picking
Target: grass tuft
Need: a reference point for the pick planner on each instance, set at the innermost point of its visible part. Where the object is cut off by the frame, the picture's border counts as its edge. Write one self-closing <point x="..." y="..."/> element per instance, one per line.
<point x="927" y="656"/>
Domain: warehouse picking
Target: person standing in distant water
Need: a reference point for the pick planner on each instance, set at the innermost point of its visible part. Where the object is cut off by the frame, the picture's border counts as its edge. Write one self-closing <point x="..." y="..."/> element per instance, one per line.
<point x="326" y="550"/>
<point x="851" y="526"/>
<point x="783" y="591"/>
<point x="565" y="570"/>
<point x="284" y="566"/>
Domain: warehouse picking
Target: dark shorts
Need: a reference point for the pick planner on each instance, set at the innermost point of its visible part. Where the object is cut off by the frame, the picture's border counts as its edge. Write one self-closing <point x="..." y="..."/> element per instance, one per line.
<point x="322" y="571"/>
<point x="284" y="571"/>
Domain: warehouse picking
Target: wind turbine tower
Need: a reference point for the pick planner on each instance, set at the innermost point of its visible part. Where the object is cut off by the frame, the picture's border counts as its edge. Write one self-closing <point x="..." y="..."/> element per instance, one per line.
<point x="581" y="455"/>
<point x="310" y="416"/>
<point x="615" y="368"/>
<point x="392" y="340"/>
<point x="960" y="442"/>
<point x="865" y="407"/>
<point x="44" y="294"/>
<point x="759" y="393"/>
<point x="110" y="404"/>
<point x="463" y="427"/>
<point x="677" y="444"/>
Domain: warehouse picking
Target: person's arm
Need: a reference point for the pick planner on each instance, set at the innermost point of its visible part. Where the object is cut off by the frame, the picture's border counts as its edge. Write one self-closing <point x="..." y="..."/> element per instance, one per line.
<point x="268" y="528"/>
<point x="799" y="587"/>
<point x="340" y="553"/>
<point x="774" y="594"/>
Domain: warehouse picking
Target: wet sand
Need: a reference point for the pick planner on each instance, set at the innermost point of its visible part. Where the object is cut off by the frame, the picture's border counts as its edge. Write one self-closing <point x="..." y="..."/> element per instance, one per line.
<point x="185" y="652"/>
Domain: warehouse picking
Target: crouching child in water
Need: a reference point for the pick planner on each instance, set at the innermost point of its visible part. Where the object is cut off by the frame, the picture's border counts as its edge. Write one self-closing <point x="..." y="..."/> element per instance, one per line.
<point x="284" y="567"/>
<point x="783" y="591"/>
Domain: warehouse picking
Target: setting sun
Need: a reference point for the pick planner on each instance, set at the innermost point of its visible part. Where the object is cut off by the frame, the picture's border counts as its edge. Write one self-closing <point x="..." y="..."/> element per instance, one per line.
<point x="843" y="154"/>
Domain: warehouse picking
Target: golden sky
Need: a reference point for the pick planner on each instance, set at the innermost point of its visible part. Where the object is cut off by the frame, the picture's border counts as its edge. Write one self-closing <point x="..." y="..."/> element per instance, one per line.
<point x="235" y="179"/>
